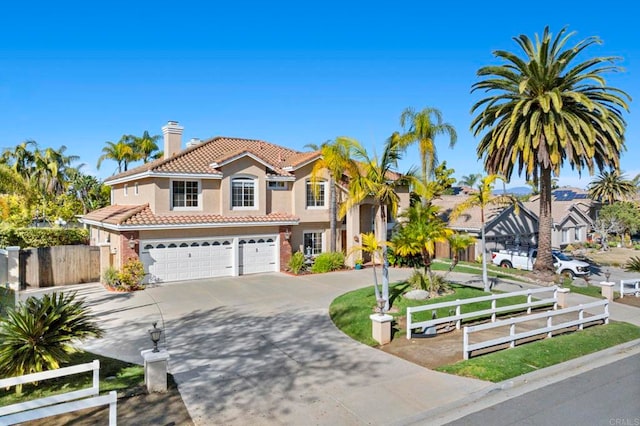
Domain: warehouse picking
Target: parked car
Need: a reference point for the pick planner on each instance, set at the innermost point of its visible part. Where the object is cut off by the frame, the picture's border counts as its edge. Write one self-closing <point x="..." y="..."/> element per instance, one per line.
<point x="565" y="265"/>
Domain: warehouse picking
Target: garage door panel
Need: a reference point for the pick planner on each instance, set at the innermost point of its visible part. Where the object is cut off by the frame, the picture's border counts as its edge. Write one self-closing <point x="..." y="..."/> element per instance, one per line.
<point x="257" y="255"/>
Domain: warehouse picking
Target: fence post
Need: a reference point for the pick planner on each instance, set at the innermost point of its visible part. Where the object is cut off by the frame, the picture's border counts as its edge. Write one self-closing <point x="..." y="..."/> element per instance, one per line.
<point x="549" y="324"/>
<point x="409" y="323"/>
<point x="581" y="317"/>
<point x="459" y="322"/>
<point x="113" y="409"/>
<point x="96" y="376"/>
<point x="561" y="298"/>
<point x="512" y="332"/>
<point x="606" y="312"/>
<point x="493" y="308"/>
<point x="13" y="271"/>
<point x="607" y="290"/>
<point x="529" y="301"/>
<point x="465" y="342"/>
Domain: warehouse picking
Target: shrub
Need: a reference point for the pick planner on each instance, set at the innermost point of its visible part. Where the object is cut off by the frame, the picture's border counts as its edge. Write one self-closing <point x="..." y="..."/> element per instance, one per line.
<point x="636" y="247"/>
<point x="633" y="264"/>
<point x="612" y="243"/>
<point x="110" y="276"/>
<point x="569" y="248"/>
<point x="412" y="261"/>
<point x="128" y="279"/>
<point x="42" y="237"/>
<point x="326" y="262"/>
<point x="38" y="334"/>
<point x="434" y="283"/>
<point x="296" y="263"/>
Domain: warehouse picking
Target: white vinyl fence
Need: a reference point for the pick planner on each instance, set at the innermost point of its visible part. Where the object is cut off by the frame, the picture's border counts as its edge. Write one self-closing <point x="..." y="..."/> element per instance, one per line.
<point x="61" y="403"/>
<point x="548" y="329"/>
<point x="630" y="287"/>
<point x="457" y="304"/>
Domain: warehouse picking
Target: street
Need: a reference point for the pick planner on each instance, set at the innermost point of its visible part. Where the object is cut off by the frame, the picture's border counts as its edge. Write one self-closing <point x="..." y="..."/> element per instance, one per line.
<point x="609" y="395"/>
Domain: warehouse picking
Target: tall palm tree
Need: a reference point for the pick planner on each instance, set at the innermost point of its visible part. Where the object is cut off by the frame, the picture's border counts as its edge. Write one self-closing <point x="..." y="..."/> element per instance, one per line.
<point x="146" y="147"/>
<point x="612" y="186"/>
<point x="375" y="179"/>
<point x="21" y="158"/>
<point x="470" y="180"/>
<point x="545" y="109"/>
<point x="483" y="198"/>
<point x="121" y="152"/>
<point x="422" y="128"/>
<point x="337" y="161"/>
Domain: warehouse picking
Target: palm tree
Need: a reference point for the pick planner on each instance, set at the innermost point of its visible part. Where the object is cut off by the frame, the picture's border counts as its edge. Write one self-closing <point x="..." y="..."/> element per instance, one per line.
<point x="146" y="147"/>
<point x="482" y="198"/>
<point x="39" y="334"/>
<point x="422" y="128"/>
<point x="457" y="243"/>
<point x="121" y="152"/>
<point x="418" y="234"/>
<point x="470" y="180"/>
<point x="337" y="161"/>
<point x="611" y="187"/>
<point x="545" y="111"/>
<point x="370" y="244"/>
<point x="375" y="179"/>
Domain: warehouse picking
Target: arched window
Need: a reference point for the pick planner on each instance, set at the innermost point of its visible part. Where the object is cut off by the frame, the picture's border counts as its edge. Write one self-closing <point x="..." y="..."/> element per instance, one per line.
<point x="243" y="192"/>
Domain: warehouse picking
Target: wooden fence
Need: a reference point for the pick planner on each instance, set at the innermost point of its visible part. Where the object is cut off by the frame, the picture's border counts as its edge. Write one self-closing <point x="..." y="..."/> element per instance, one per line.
<point x="443" y="250"/>
<point x="59" y="265"/>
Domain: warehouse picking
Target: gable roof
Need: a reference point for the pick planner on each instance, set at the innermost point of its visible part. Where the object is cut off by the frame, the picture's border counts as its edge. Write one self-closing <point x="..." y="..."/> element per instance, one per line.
<point x="120" y="217"/>
<point x="204" y="159"/>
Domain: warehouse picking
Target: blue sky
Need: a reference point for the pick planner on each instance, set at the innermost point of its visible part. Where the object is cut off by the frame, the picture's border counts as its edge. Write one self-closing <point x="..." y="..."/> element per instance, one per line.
<point x="83" y="73"/>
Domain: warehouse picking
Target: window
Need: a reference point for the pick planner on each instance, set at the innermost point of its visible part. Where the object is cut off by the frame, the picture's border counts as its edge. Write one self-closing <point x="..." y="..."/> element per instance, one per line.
<point x="135" y="189"/>
<point x="312" y="243"/>
<point x="277" y="185"/>
<point x="315" y="194"/>
<point x="184" y="193"/>
<point x="565" y="236"/>
<point x="577" y="236"/>
<point x="126" y="189"/>
<point x="243" y="192"/>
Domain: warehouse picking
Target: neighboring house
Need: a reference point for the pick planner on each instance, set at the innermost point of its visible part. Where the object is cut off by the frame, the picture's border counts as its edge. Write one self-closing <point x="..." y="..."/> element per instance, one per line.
<point x="503" y="227"/>
<point x="573" y="215"/>
<point x="221" y="207"/>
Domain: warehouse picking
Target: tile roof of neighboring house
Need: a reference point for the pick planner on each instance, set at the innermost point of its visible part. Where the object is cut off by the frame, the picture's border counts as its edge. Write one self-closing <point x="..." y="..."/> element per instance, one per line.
<point x="134" y="216"/>
<point x="198" y="159"/>
<point x="560" y="210"/>
<point x="472" y="218"/>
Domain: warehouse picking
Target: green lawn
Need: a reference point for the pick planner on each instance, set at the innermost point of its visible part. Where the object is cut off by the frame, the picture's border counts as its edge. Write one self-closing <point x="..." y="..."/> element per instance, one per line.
<point x="114" y="375"/>
<point x="350" y="312"/>
<point x="505" y="364"/>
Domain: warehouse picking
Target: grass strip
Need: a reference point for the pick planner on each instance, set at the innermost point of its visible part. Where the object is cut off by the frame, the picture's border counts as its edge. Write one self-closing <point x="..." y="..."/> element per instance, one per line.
<point x="509" y="363"/>
<point x="114" y="375"/>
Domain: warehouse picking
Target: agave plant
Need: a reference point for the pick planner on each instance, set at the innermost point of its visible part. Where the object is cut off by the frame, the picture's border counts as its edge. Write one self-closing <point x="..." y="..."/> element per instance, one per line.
<point x="39" y="334"/>
<point x="633" y="264"/>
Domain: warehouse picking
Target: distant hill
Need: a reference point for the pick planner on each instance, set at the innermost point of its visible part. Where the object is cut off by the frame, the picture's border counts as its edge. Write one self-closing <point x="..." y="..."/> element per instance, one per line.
<point x="516" y="190"/>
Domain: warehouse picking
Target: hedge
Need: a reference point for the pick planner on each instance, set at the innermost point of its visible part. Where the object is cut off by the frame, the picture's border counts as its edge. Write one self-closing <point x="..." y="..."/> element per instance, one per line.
<point x="42" y="237"/>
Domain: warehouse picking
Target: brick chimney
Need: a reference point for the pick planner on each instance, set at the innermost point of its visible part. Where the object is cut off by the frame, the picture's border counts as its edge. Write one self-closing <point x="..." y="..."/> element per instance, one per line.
<point x="172" y="138"/>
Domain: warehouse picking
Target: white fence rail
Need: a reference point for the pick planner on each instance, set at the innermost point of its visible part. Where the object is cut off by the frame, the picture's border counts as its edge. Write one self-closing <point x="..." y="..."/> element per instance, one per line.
<point x="493" y="311"/>
<point x="630" y="287"/>
<point x="61" y="403"/>
<point x="548" y="329"/>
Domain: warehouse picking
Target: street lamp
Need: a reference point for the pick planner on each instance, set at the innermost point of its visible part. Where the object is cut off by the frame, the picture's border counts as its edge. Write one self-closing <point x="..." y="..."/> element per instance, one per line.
<point x="155" y="333"/>
<point x="607" y="274"/>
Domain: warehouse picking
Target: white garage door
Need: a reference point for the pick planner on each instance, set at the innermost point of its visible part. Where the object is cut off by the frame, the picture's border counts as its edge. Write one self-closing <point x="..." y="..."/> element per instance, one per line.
<point x="257" y="254"/>
<point x="186" y="260"/>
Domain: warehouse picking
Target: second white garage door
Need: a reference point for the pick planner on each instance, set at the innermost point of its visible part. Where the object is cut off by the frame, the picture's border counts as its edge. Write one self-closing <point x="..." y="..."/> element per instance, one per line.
<point x="257" y="254"/>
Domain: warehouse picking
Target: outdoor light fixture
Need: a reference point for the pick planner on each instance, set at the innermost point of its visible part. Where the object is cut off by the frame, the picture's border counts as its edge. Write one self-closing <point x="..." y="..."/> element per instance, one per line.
<point x="287" y="235"/>
<point x="60" y="222"/>
<point x="155" y="333"/>
<point x="132" y="242"/>
<point x="607" y="274"/>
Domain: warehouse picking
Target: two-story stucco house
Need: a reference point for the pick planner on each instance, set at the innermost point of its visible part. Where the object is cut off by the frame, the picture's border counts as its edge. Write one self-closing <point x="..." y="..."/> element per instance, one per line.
<point x="220" y="207"/>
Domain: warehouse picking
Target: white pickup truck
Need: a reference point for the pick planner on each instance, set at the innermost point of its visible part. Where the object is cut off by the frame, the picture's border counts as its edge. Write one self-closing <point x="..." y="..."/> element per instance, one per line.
<point x="564" y="264"/>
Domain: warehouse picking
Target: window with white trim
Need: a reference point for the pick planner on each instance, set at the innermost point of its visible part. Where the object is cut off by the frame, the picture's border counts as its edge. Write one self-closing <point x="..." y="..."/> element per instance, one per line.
<point x="126" y="190"/>
<point x="313" y="242"/>
<point x="277" y="185"/>
<point x="243" y="192"/>
<point x="316" y="194"/>
<point x="577" y="235"/>
<point x="135" y="189"/>
<point x="565" y="235"/>
<point x="184" y="193"/>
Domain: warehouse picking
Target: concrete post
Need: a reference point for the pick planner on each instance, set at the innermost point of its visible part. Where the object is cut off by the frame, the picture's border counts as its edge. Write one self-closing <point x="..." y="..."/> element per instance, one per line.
<point x="562" y="297"/>
<point x="607" y="290"/>
<point x="381" y="328"/>
<point x="155" y="369"/>
<point x="13" y="271"/>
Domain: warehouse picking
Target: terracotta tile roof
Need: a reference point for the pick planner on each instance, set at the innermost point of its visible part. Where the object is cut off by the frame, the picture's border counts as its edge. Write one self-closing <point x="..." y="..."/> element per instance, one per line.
<point x="198" y="158"/>
<point x="127" y="216"/>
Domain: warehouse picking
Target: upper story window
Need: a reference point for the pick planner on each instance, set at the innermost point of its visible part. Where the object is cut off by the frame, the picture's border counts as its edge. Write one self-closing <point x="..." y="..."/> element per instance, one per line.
<point x="126" y="189"/>
<point x="135" y="189"/>
<point x="316" y="194"/>
<point x="243" y="192"/>
<point x="184" y="193"/>
<point x="577" y="236"/>
<point x="277" y="185"/>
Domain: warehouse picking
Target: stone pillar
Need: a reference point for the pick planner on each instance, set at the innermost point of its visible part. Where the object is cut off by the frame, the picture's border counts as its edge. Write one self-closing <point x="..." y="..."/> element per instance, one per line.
<point x="607" y="290"/>
<point x="155" y="369"/>
<point x="13" y="271"/>
<point x="562" y="297"/>
<point x="285" y="246"/>
<point x="381" y="328"/>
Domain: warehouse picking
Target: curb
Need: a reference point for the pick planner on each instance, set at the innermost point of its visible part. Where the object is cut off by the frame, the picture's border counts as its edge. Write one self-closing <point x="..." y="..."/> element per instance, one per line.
<point x="517" y="386"/>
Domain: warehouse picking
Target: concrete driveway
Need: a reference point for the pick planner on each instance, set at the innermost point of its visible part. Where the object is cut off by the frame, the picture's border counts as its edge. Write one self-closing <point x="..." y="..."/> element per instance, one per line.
<point x="261" y="349"/>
